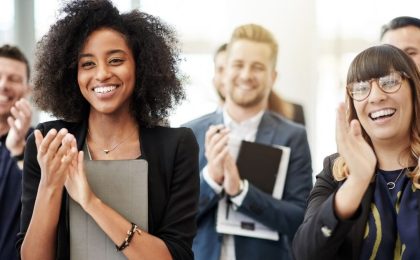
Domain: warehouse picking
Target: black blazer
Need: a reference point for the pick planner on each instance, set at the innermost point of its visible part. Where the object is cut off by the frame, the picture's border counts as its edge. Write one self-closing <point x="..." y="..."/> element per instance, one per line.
<point x="173" y="186"/>
<point x="322" y="235"/>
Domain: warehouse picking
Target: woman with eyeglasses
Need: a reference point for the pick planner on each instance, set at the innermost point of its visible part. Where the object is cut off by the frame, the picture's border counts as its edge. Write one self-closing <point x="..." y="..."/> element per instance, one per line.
<point x="365" y="203"/>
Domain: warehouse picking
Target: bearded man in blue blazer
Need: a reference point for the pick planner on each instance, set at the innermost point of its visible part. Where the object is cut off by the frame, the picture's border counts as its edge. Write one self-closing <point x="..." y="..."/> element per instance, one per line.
<point x="250" y="76"/>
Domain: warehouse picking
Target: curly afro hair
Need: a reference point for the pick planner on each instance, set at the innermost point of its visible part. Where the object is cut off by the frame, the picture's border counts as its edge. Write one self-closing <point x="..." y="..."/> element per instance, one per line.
<point x="158" y="86"/>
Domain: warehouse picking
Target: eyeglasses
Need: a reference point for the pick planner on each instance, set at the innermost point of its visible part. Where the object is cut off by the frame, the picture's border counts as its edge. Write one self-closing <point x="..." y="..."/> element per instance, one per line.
<point x="390" y="83"/>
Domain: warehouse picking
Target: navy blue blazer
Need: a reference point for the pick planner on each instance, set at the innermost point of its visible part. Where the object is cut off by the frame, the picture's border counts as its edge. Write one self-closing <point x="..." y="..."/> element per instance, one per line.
<point x="10" y="191"/>
<point x="10" y="206"/>
<point x="283" y="215"/>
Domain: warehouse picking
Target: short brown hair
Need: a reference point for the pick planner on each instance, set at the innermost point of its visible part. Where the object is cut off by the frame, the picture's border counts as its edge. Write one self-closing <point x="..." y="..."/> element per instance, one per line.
<point x="14" y="53"/>
<point x="399" y="22"/>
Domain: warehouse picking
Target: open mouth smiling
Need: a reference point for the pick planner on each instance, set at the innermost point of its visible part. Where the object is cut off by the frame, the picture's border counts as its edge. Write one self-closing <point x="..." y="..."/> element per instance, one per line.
<point x="104" y="89"/>
<point x="383" y="113"/>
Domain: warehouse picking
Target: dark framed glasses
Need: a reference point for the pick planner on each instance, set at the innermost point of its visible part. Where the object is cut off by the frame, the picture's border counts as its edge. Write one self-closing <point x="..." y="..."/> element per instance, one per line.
<point x="390" y="83"/>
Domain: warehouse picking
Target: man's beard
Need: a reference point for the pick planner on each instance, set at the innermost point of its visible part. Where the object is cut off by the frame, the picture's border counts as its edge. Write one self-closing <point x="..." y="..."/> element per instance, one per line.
<point x="247" y="101"/>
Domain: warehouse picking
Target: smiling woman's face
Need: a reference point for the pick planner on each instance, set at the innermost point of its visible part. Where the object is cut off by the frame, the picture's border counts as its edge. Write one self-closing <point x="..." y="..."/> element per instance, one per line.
<point x="386" y="116"/>
<point x="106" y="72"/>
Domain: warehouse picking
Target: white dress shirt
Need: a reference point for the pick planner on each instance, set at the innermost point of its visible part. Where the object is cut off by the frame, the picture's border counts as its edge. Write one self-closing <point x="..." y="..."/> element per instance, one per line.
<point x="246" y="130"/>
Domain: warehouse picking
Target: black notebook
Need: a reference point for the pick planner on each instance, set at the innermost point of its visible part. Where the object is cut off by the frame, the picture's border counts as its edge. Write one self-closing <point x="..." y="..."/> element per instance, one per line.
<point x="261" y="164"/>
<point x="265" y="167"/>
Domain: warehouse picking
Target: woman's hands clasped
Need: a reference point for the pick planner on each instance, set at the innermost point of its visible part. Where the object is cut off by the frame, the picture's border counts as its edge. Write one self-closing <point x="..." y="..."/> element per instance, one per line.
<point x="62" y="165"/>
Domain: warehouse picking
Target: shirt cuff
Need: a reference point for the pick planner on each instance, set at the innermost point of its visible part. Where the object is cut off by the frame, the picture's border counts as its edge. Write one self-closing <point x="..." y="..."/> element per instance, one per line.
<point x="214" y="185"/>
<point x="237" y="200"/>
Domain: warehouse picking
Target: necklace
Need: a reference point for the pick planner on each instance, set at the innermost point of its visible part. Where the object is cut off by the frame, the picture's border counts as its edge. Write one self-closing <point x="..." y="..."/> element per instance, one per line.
<point x="88" y="150"/>
<point x="107" y="151"/>
<point x="391" y="184"/>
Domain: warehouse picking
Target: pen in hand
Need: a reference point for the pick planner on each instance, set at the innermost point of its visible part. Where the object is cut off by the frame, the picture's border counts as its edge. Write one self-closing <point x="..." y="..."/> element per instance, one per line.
<point x="228" y="203"/>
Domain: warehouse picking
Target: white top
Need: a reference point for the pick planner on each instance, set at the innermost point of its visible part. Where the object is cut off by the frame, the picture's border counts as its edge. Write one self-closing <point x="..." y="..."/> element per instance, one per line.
<point x="246" y="130"/>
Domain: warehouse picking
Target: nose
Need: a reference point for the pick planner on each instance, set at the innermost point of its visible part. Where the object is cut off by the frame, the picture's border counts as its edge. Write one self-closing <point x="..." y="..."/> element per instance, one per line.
<point x="102" y="73"/>
<point x="246" y="73"/>
<point x="376" y="94"/>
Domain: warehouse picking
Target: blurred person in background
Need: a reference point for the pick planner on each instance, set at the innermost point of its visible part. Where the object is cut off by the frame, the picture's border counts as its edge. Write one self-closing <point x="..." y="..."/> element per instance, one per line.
<point x="15" y="120"/>
<point x="219" y="60"/>
<point x="276" y="103"/>
<point x="248" y="81"/>
<point x="403" y="32"/>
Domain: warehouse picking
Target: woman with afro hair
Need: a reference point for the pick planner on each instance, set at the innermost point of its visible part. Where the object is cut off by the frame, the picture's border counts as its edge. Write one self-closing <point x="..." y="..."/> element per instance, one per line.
<point x="111" y="79"/>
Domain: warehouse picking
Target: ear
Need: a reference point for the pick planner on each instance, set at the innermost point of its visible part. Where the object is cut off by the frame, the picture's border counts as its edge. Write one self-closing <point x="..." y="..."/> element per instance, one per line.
<point x="273" y="77"/>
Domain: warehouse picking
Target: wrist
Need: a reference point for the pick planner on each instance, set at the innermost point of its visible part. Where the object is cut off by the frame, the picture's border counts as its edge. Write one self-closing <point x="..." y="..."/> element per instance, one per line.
<point x="90" y="204"/>
<point x="240" y="189"/>
<point x="49" y="189"/>
<point x="218" y="178"/>
<point x="359" y="181"/>
<point x="17" y="150"/>
<point x="18" y="157"/>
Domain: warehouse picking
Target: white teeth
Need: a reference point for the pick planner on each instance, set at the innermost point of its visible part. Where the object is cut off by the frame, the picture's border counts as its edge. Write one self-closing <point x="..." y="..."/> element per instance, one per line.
<point x="384" y="112"/>
<point x="245" y="87"/>
<point x="103" y="90"/>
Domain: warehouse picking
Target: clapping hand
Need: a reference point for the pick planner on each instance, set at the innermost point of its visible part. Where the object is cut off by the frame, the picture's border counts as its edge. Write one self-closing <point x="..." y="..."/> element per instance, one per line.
<point x="76" y="183"/>
<point x="19" y="123"/>
<point x="221" y="166"/>
<point x="357" y="153"/>
<point x="216" y="141"/>
<point x="232" y="180"/>
<point x="55" y="154"/>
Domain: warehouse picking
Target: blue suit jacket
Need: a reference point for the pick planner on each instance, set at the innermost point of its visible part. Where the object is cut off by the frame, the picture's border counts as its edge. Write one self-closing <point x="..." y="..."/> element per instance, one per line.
<point x="10" y="191"/>
<point x="283" y="215"/>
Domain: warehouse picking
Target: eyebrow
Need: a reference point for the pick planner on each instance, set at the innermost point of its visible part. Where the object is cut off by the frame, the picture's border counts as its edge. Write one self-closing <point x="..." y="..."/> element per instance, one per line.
<point x="16" y="76"/>
<point x="83" y="55"/>
<point x="410" y="49"/>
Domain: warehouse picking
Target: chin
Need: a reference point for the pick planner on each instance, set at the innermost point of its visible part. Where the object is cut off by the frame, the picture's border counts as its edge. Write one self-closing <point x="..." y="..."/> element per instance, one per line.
<point x="384" y="136"/>
<point x="247" y="101"/>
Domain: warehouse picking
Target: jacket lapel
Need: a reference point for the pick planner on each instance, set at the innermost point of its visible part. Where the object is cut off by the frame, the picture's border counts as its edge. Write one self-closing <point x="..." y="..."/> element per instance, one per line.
<point x="266" y="130"/>
<point x="216" y="118"/>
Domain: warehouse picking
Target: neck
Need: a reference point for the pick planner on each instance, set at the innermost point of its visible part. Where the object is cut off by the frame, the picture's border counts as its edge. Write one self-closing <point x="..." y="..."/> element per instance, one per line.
<point x="239" y="113"/>
<point x="113" y="138"/>
<point x="107" y="130"/>
<point x="392" y="156"/>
